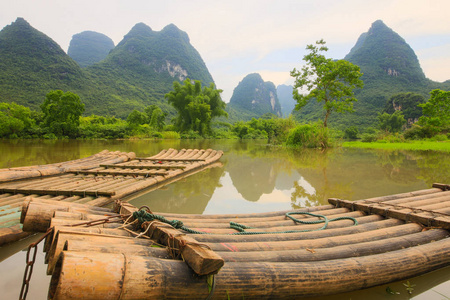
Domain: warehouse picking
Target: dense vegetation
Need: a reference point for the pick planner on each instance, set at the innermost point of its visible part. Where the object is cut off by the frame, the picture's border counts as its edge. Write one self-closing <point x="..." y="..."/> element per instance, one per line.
<point x="89" y="47"/>
<point x="137" y="73"/>
<point x="132" y="93"/>
<point x="389" y="67"/>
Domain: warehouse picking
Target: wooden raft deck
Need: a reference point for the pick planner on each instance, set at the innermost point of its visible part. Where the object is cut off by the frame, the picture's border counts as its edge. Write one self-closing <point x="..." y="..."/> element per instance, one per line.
<point x="96" y="181"/>
<point x="392" y="241"/>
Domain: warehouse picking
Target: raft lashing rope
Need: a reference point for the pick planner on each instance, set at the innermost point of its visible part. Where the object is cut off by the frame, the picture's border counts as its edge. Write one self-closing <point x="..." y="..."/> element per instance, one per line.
<point x="143" y="216"/>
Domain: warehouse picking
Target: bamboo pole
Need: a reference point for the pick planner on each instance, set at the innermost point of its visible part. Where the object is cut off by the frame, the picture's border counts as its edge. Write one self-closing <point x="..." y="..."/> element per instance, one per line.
<point x="37" y="216"/>
<point x="103" y="244"/>
<point x="427" y="219"/>
<point x="306" y="253"/>
<point x="313" y="243"/>
<point x="121" y="276"/>
<point x="95" y="230"/>
<point x="12" y="234"/>
<point x="364" y="224"/>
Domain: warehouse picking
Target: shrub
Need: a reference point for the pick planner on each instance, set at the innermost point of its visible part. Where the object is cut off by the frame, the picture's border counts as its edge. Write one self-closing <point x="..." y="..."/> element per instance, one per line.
<point x="170" y="135"/>
<point x="368" y="137"/>
<point x="351" y="133"/>
<point x="309" y="136"/>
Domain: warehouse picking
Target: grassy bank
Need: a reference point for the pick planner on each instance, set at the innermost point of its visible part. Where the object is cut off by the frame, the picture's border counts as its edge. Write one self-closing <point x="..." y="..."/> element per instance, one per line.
<point x="410" y="145"/>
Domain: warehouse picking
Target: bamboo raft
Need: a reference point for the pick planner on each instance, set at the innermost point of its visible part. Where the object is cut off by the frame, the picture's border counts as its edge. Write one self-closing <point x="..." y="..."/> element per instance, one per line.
<point x="200" y="257"/>
<point x="96" y="181"/>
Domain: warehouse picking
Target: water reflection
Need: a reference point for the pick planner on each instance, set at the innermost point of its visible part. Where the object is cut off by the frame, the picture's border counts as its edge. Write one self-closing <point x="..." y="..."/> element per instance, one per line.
<point x="253" y="177"/>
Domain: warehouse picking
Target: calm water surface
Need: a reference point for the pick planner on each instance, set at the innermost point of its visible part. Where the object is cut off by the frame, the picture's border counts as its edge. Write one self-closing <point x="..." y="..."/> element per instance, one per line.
<point x="252" y="177"/>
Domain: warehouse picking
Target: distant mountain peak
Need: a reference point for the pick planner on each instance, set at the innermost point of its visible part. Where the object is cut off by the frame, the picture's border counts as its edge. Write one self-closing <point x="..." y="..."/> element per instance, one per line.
<point x="173" y="31"/>
<point x="255" y="96"/>
<point x="139" y="30"/>
<point x="386" y="52"/>
<point x="89" y="47"/>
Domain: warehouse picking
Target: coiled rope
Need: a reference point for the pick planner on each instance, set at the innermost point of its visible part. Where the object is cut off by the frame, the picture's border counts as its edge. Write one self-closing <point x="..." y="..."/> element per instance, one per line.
<point x="143" y="216"/>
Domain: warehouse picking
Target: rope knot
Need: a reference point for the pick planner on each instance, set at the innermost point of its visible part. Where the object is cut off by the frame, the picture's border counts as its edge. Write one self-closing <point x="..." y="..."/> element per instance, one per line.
<point x="176" y="224"/>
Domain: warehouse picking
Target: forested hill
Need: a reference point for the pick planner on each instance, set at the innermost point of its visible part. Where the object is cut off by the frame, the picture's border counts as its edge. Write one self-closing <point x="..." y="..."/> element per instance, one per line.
<point x="89" y="47"/>
<point x="138" y="72"/>
<point x="32" y="64"/>
<point x="253" y="98"/>
<point x="389" y="65"/>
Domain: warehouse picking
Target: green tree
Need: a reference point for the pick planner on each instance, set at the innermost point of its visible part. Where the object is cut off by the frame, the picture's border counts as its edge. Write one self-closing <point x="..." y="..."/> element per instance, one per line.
<point x="351" y="133"/>
<point x="196" y="107"/>
<point x="62" y="112"/>
<point x="136" y="118"/>
<point x="407" y="103"/>
<point x="391" y="123"/>
<point x="15" y="119"/>
<point x="156" y="117"/>
<point x="436" y="111"/>
<point x="326" y="80"/>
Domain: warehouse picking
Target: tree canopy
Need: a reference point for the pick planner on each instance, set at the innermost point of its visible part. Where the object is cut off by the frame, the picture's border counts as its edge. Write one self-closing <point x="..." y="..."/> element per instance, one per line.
<point x="196" y="106"/>
<point x="326" y="80"/>
<point x="436" y="111"/>
<point x="62" y="113"/>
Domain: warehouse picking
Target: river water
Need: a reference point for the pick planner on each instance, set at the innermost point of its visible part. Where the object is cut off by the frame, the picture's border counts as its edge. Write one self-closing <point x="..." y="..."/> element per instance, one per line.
<point x="252" y="177"/>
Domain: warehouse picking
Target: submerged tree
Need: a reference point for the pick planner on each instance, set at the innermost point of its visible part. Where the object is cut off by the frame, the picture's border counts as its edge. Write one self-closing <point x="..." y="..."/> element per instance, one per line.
<point x="326" y="80"/>
<point x="195" y="106"/>
<point x="62" y="113"/>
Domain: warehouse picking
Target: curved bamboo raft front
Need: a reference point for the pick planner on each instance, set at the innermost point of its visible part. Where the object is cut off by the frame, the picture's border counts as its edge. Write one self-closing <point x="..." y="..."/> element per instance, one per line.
<point x="97" y="180"/>
<point x="396" y="237"/>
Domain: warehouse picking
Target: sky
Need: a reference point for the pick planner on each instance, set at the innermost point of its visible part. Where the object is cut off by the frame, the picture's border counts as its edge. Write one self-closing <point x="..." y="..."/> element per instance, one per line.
<point x="239" y="37"/>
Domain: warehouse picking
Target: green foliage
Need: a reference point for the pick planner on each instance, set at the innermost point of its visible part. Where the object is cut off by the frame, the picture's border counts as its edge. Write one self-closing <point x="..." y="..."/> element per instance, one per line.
<point x="326" y="80"/>
<point x="170" y="135"/>
<point x="351" y="133"/>
<point x="136" y="118"/>
<point x="391" y="123"/>
<point x="135" y="74"/>
<point x="195" y="106"/>
<point x="407" y="103"/>
<point x="62" y="113"/>
<point x="436" y="110"/>
<point x="309" y="136"/>
<point x="15" y="120"/>
<point x="156" y="117"/>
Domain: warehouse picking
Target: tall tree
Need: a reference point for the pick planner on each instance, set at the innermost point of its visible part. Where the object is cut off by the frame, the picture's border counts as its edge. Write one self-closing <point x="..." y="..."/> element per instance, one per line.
<point x="196" y="107"/>
<point x="62" y="112"/>
<point x="326" y="80"/>
<point x="436" y="111"/>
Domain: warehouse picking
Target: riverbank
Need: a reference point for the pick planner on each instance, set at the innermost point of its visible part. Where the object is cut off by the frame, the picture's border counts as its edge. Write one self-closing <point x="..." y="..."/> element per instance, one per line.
<point x="443" y="146"/>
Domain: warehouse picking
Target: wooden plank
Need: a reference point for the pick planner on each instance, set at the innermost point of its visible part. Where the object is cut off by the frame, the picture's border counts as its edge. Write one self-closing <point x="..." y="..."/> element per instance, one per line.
<point x="444" y="187"/>
<point x="170" y="159"/>
<point x="57" y="192"/>
<point x="199" y="257"/>
<point x="430" y="219"/>
<point x="159" y="166"/>
<point x="122" y="173"/>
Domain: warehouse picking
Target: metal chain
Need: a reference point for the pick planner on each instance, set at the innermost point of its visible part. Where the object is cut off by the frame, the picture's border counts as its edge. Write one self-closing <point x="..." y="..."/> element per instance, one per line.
<point x="33" y="247"/>
<point x="30" y="264"/>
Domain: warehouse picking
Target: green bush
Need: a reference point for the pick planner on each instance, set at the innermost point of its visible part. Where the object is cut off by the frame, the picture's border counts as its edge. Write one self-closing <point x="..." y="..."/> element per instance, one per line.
<point x="170" y="135"/>
<point x="351" y="133"/>
<point x="368" y="137"/>
<point x="309" y="136"/>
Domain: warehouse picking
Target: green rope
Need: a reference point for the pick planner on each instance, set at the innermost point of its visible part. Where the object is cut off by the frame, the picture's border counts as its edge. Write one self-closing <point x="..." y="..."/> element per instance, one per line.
<point x="143" y="216"/>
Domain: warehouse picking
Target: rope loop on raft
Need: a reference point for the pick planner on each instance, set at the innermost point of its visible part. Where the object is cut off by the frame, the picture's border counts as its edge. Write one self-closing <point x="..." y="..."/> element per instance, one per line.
<point x="144" y="216"/>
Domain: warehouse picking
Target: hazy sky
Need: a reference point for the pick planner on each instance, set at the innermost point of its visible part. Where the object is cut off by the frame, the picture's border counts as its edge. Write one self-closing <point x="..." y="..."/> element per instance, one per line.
<point x="236" y="38"/>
